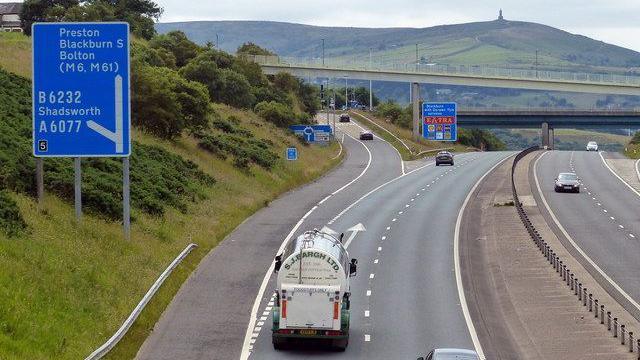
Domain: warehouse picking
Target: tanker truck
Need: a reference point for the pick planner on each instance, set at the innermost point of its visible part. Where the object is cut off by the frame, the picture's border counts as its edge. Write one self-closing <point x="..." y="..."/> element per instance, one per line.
<point x="312" y="291"/>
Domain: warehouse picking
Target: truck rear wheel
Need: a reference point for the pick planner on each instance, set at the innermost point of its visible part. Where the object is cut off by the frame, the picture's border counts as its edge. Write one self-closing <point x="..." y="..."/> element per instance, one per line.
<point x="279" y="343"/>
<point x="340" y="345"/>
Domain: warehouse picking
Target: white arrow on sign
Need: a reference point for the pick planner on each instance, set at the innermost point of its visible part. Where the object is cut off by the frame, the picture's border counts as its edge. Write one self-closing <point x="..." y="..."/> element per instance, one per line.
<point x="354" y="231"/>
<point x="117" y="136"/>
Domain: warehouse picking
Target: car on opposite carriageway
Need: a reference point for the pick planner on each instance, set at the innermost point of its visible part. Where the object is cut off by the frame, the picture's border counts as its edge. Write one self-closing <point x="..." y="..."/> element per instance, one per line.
<point x="592" y="146"/>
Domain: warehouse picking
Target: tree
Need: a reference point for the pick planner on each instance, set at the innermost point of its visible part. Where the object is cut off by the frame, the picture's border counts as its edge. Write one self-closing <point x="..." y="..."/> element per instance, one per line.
<point x="140" y="51"/>
<point x="39" y="11"/>
<point x="250" y="48"/>
<point x="178" y="44"/>
<point x="276" y="113"/>
<point x="164" y="103"/>
<point x="236" y="90"/>
<point x="140" y="14"/>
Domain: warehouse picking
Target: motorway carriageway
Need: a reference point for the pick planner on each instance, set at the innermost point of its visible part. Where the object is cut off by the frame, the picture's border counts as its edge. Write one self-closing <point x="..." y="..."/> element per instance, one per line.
<point x="602" y="220"/>
<point x="405" y="298"/>
<point x="409" y="293"/>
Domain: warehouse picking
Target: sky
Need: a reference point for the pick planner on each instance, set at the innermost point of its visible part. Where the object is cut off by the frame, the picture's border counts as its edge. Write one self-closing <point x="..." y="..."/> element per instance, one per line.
<point x="613" y="21"/>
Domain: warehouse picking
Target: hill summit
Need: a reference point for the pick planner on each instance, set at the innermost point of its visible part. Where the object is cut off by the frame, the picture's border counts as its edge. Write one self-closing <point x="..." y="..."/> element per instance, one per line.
<point x="500" y="41"/>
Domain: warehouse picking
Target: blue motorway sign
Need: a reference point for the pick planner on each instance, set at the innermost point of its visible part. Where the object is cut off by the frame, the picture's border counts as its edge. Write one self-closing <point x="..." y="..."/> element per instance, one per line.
<point x="440" y="121"/>
<point x="81" y="97"/>
<point x="292" y="153"/>
<point x="313" y="133"/>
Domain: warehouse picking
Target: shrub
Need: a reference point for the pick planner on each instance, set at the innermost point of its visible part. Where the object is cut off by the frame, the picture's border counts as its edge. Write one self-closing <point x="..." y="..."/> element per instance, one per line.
<point x="164" y="103"/>
<point x="159" y="179"/>
<point x="255" y="150"/>
<point x="276" y="113"/>
<point x="178" y="44"/>
<point x="11" y="222"/>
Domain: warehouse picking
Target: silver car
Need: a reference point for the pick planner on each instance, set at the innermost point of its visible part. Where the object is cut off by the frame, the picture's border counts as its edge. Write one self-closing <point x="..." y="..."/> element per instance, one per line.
<point x="451" y="354"/>
<point x="567" y="182"/>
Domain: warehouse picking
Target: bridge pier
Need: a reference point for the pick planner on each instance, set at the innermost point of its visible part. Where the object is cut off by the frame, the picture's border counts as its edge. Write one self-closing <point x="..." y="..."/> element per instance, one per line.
<point x="551" y="139"/>
<point x="415" y="102"/>
<point x="544" y="135"/>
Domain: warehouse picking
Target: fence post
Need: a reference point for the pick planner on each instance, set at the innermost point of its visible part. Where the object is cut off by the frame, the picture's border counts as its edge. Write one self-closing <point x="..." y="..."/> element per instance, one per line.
<point x="622" y="327"/>
<point x="615" y="327"/>
<point x="572" y="280"/>
<point x="630" y="341"/>
<point x="590" y="302"/>
<point x="579" y="291"/>
<point x="584" y="297"/>
<point x="596" y="307"/>
<point x="609" y="320"/>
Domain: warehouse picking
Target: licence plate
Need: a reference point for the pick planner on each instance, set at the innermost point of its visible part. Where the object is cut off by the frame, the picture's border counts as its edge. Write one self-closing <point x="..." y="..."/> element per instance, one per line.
<point x="568" y="187"/>
<point x="307" y="332"/>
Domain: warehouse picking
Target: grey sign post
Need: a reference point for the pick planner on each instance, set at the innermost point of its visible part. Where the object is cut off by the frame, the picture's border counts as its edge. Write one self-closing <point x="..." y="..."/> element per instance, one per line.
<point x="94" y="89"/>
<point x="77" y="171"/>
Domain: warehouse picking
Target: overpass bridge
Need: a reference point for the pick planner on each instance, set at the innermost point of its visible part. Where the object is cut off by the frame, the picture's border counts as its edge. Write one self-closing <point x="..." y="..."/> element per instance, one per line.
<point x="556" y="118"/>
<point x="481" y="76"/>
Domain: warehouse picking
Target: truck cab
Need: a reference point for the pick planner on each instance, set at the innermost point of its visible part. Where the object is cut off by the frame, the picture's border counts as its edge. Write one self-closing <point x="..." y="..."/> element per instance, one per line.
<point x="312" y="294"/>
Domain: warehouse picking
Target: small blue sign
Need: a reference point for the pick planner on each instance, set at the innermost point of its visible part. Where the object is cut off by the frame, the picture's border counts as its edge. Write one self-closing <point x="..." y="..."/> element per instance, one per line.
<point x="312" y="133"/>
<point x="81" y="97"/>
<point x="292" y="153"/>
<point x="440" y="121"/>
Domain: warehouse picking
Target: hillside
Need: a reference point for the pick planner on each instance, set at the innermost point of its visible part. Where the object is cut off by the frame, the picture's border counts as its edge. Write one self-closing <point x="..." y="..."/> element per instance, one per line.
<point x="66" y="287"/>
<point x="490" y="42"/>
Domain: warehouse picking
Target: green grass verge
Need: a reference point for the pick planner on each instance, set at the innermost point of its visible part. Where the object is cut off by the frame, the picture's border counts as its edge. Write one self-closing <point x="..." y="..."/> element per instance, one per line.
<point x="422" y="147"/>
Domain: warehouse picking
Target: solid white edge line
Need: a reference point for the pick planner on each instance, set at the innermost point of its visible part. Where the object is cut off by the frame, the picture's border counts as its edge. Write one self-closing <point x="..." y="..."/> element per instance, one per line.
<point x="394" y="148"/>
<point x="638" y="170"/>
<point x="573" y="243"/>
<point x="456" y="260"/>
<point x="256" y="303"/>
<point x="616" y="175"/>
<point x="339" y="152"/>
<point x="245" y="348"/>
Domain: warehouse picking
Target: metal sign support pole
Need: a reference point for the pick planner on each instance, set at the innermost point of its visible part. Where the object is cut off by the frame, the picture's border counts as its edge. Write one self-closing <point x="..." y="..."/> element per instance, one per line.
<point x="415" y="102"/>
<point x="77" y="170"/>
<point x="40" y="181"/>
<point x="126" y="199"/>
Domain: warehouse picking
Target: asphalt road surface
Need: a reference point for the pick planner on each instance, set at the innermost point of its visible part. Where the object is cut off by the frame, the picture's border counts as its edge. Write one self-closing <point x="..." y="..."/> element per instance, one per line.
<point x="208" y="317"/>
<point x="404" y="299"/>
<point x="602" y="219"/>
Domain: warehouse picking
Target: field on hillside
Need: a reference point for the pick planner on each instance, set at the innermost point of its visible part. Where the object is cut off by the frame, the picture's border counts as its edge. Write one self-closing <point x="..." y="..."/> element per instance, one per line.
<point x="66" y="287"/>
<point x="16" y="53"/>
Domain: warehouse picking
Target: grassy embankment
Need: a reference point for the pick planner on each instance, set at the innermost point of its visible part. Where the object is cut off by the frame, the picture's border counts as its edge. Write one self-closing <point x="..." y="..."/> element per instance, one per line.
<point x="413" y="149"/>
<point x="66" y="287"/>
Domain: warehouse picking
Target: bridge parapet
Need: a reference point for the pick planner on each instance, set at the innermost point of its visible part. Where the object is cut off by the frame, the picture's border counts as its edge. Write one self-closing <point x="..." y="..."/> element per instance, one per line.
<point x="479" y="71"/>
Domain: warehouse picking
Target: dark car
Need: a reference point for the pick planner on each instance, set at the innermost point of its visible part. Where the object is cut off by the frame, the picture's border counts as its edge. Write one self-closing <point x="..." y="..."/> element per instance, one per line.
<point x="444" y="157"/>
<point x="366" y="135"/>
<point x="567" y="182"/>
<point x="345" y="118"/>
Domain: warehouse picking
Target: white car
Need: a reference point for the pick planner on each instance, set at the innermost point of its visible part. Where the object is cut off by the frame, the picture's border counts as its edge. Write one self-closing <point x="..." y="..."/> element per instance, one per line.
<point x="592" y="146"/>
<point x="451" y="354"/>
